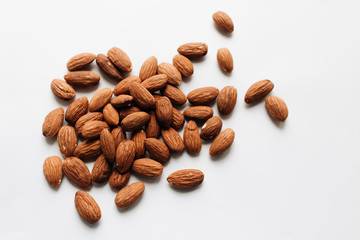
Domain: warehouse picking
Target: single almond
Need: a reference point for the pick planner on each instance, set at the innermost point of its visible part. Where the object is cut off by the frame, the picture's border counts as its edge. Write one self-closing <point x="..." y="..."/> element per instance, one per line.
<point x="186" y="178"/>
<point x="107" y="67"/>
<point x="67" y="141"/>
<point x="192" y="139"/>
<point x="122" y="101"/>
<point x="87" y="117"/>
<point x="222" y="142"/>
<point x="147" y="167"/>
<point x="80" y="61"/>
<point x="76" y="110"/>
<point x="155" y="82"/>
<point x="119" y="180"/>
<point x="211" y="128"/>
<point x="53" y="172"/>
<point x="92" y="129"/>
<point x="176" y="96"/>
<point x="142" y="97"/>
<point x="164" y="112"/>
<point x="77" y="172"/>
<point x="157" y="150"/>
<point x="120" y="59"/>
<point x="225" y="60"/>
<point x="153" y="127"/>
<point x="53" y="122"/>
<point x="107" y="145"/>
<point x="118" y="134"/>
<point x="111" y="115"/>
<point x="123" y="86"/>
<point x="125" y="154"/>
<point x="101" y="170"/>
<point x="87" y="207"/>
<point x="198" y="112"/>
<point x="172" y="140"/>
<point x="193" y="50"/>
<point x="148" y="69"/>
<point x="128" y="195"/>
<point x="203" y="96"/>
<point x="277" y="108"/>
<point x="100" y="99"/>
<point x="177" y="119"/>
<point x="62" y="90"/>
<point x="82" y="78"/>
<point x="139" y="139"/>
<point x="227" y="100"/>
<point x="258" y="91"/>
<point x="135" y="121"/>
<point x="127" y="111"/>
<point x="223" y="21"/>
<point x="174" y="76"/>
<point x="184" y="65"/>
<point x="88" y="149"/>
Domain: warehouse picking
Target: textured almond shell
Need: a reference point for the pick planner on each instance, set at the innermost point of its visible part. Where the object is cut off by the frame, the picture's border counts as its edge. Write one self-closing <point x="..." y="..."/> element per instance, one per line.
<point x="111" y="115"/>
<point x="186" y="178"/>
<point x="147" y="167"/>
<point x="101" y="170"/>
<point x="153" y="127"/>
<point x="125" y="154"/>
<point x="107" y="67"/>
<point x="77" y="172"/>
<point x="92" y="129"/>
<point x="100" y="99"/>
<point x="258" y="91"/>
<point x="135" y="121"/>
<point x="227" y="100"/>
<point x="164" y="112"/>
<point x="122" y="100"/>
<point x="107" y="145"/>
<point x="172" y="140"/>
<point x="155" y="82"/>
<point x="277" y="108"/>
<point x="123" y="86"/>
<point x="76" y="110"/>
<point x="53" y="122"/>
<point x="139" y="139"/>
<point x="142" y="97"/>
<point x="82" y="78"/>
<point x="128" y="195"/>
<point x="119" y="180"/>
<point x="225" y="60"/>
<point x="95" y="116"/>
<point x="198" y="112"/>
<point x="120" y="59"/>
<point x="62" y="89"/>
<point x="174" y="76"/>
<point x="223" y="21"/>
<point x="203" y="96"/>
<point x="193" y="50"/>
<point x="67" y="141"/>
<point x="118" y="134"/>
<point x="148" y="69"/>
<point x="80" y="61"/>
<point x="192" y="139"/>
<point x="87" y="207"/>
<point x="222" y="142"/>
<point x="88" y="149"/>
<point x="178" y="119"/>
<point x="183" y="65"/>
<point x="176" y="96"/>
<point x="52" y="170"/>
<point x="157" y="150"/>
<point x="211" y="128"/>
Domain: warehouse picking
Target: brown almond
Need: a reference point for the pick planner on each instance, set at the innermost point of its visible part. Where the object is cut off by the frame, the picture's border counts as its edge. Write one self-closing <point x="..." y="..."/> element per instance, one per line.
<point x="139" y="139"/>
<point x="142" y="97"/>
<point x="172" y="140"/>
<point x="67" y="141"/>
<point x="101" y="170"/>
<point x="118" y="134"/>
<point x="107" y="145"/>
<point x="53" y="122"/>
<point x="123" y="113"/>
<point x="164" y="112"/>
<point x="100" y="99"/>
<point x="222" y="142"/>
<point x="183" y="65"/>
<point x="82" y="78"/>
<point x="135" y="121"/>
<point x="80" y="61"/>
<point x="92" y="129"/>
<point x="122" y="101"/>
<point x="147" y="167"/>
<point x="157" y="96"/>
<point x="128" y="195"/>
<point x="87" y="207"/>
<point x="153" y="127"/>
<point x="119" y="180"/>
<point x="211" y="128"/>
<point x="223" y="21"/>
<point x="186" y="178"/>
<point x="277" y="108"/>
<point x="88" y="149"/>
<point x="174" y="76"/>
<point x="62" y="90"/>
<point x="193" y="50"/>
<point x="125" y="154"/>
<point x="107" y="67"/>
<point x="198" y="112"/>
<point x="52" y="169"/>
<point x="203" y="96"/>
<point x="258" y="91"/>
<point x="77" y="172"/>
<point x="176" y="96"/>
<point x="192" y="139"/>
<point x="177" y="119"/>
<point x="148" y="69"/>
<point x="123" y="86"/>
<point x="120" y="59"/>
<point x="155" y="82"/>
<point x="111" y="115"/>
<point x="225" y="60"/>
<point x="76" y="110"/>
<point x="95" y="116"/>
<point x="227" y="100"/>
<point x="157" y="150"/>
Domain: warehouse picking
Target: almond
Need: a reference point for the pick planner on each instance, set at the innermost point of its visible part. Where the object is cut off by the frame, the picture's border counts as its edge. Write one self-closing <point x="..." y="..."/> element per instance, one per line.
<point x="76" y="110"/>
<point x="258" y="91"/>
<point x="52" y="169"/>
<point x="174" y="76"/>
<point x="148" y="69"/>
<point x="77" y="172"/>
<point x="223" y="21"/>
<point x="164" y="112"/>
<point x="153" y="127"/>
<point x="67" y="141"/>
<point x="123" y="86"/>
<point x="101" y="170"/>
<point x="277" y="108"/>
<point x="121" y="101"/>
<point x="82" y="78"/>
<point x="80" y="61"/>
<point x="119" y="180"/>
<point x="139" y="139"/>
<point x="177" y="119"/>
<point x="203" y="96"/>
<point x="142" y="97"/>
<point x="120" y="59"/>
<point x="107" y="144"/>
<point x="147" y="167"/>
<point x="128" y="195"/>
<point x="198" y="112"/>
<point x="118" y="135"/>
<point x="92" y="129"/>
<point x="157" y="150"/>
<point x="88" y="149"/>
<point x="53" y="122"/>
<point x="225" y="60"/>
<point x="175" y="95"/>
<point x="100" y="99"/>
<point x="186" y="178"/>
<point x="172" y="139"/>
<point x="211" y="128"/>
<point x="222" y="142"/>
<point x="135" y="121"/>
<point x="157" y="96"/>
<point x="127" y="111"/>
<point x="107" y="67"/>
<point x="193" y="50"/>
<point x="62" y="90"/>
<point x="87" y="117"/>
<point x="87" y="207"/>
<point x="192" y="139"/>
<point x="227" y="100"/>
<point x="111" y="115"/>
<point x="155" y="82"/>
<point x="125" y="154"/>
<point x="183" y="65"/>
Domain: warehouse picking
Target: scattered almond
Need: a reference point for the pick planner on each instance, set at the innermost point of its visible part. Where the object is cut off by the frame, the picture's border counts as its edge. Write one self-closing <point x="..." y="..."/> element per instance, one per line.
<point x="148" y="69"/>
<point x="193" y="50"/>
<point x="53" y="122"/>
<point x="82" y="78"/>
<point x="222" y="142"/>
<point x="119" y="180"/>
<point x="203" y="96"/>
<point x="128" y="195"/>
<point x="62" y="90"/>
<point x="88" y="149"/>
<point x="164" y="112"/>
<point x="77" y="172"/>
<point x="135" y="121"/>
<point x="174" y="76"/>
<point x="277" y="108"/>
<point x="147" y="167"/>
<point x="67" y="141"/>
<point x="123" y="86"/>
<point x="76" y="109"/>
<point x="52" y="169"/>
<point x="139" y="139"/>
<point x="184" y="65"/>
<point x="211" y="128"/>
<point x="223" y="21"/>
<point x="225" y="60"/>
<point x="155" y="82"/>
<point x="107" y="67"/>
<point x="177" y="119"/>
<point x="258" y="91"/>
<point x="125" y="154"/>
<point x="95" y="116"/>
<point x="87" y="207"/>
<point x="100" y="99"/>
<point x="142" y="97"/>
<point x="92" y="129"/>
<point x="192" y="139"/>
<point x="172" y="140"/>
<point x="118" y="134"/>
<point x="153" y="127"/>
<point x="227" y="100"/>
<point x="101" y="170"/>
<point x="127" y="111"/>
<point x="175" y="95"/>
<point x="120" y="59"/>
<point x="111" y="115"/>
<point x="80" y="61"/>
<point x="157" y="150"/>
<point x="107" y="144"/>
<point x="121" y="101"/>
<point x="198" y="112"/>
<point x="185" y="179"/>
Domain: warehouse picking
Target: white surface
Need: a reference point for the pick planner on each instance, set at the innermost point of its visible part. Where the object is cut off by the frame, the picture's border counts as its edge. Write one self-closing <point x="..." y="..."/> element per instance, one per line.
<point x="297" y="181"/>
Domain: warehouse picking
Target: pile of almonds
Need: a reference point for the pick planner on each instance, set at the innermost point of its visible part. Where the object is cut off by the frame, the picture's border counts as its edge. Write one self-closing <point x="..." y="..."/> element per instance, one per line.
<point x="145" y="106"/>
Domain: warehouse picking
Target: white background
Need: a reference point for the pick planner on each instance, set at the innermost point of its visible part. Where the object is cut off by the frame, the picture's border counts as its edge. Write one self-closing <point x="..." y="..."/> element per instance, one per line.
<point x="297" y="181"/>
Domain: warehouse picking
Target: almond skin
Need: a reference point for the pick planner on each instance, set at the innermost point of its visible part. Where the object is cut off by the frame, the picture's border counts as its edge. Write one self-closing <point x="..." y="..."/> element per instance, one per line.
<point x="107" y="145"/>
<point x="227" y="100"/>
<point x="82" y="78"/>
<point x="80" y="61"/>
<point x="120" y="59"/>
<point x="148" y="69"/>
<point x="123" y="86"/>
<point x="198" y="112"/>
<point x="142" y="97"/>
<point x="222" y="142"/>
<point x="119" y="180"/>
<point x="62" y="90"/>
<point x="277" y="108"/>
<point x="258" y="91"/>
<point x="211" y="128"/>
<point x="127" y="111"/>
<point x="157" y="150"/>
<point x="139" y="139"/>
<point x="225" y="60"/>
<point x="53" y="172"/>
<point x="186" y="178"/>
<point x="192" y="139"/>
<point x="178" y="119"/>
<point x="203" y="96"/>
<point x="174" y="76"/>
<point x="92" y="129"/>
<point x="118" y="134"/>
<point x="183" y="65"/>
<point x="111" y="115"/>
<point x="88" y="150"/>
<point x="67" y="141"/>
<point x="87" y="117"/>
<point x="172" y="140"/>
<point x="125" y="154"/>
<point x="128" y="195"/>
<point x="164" y="112"/>
<point x="77" y="172"/>
<point x="107" y="67"/>
<point x="223" y="21"/>
<point x="53" y="122"/>
<point x="122" y="101"/>
<point x="153" y="127"/>
<point x="101" y="170"/>
<point x="147" y="167"/>
<point x="100" y="99"/>
<point x="155" y="82"/>
<point x="87" y="207"/>
<point x="176" y="96"/>
<point x="76" y="110"/>
<point x="135" y="121"/>
<point x="193" y="50"/>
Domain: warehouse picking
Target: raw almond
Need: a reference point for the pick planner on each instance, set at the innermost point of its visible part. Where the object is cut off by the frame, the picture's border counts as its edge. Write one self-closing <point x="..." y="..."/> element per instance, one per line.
<point x="135" y="121"/>
<point x="80" y="61"/>
<point x="211" y="128"/>
<point x="175" y="95"/>
<point x="139" y="139"/>
<point x="225" y="60"/>
<point x="227" y="100"/>
<point x="111" y="115"/>
<point x="82" y="78"/>
<point x="183" y="65"/>
<point x="62" y="90"/>
<point x="121" y="101"/>
<point x="123" y="86"/>
<point x="198" y="112"/>
<point x="192" y="139"/>
<point x="92" y="129"/>
<point x="107" y="67"/>
<point x="155" y="82"/>
<point x="222" y="142"/>
<point x="223" y="21"/>
<point x="107" y="145"/>
<point x="186" y="178"/>
<point x="127" y="111"/>
<point x="87" y="207"/>
<point x="88" y="150"/>
<point x="174" y="76"/>
<point x="153" y="127"/>
<point x="147" y="167"/>
<point x="77" y="172"/>
<point x="118" y="134"/>
<point x="53" y="122"/>
<point x="67" y="141"/>
<point x="193" y="50"/>
<point x="120" y="59"/>
<point x="76" y="110"/>
<point x="142" y="97"/>
<point x="87" y="117"/>
<point x="177" y="119"/>
<point x="157" y="150"/>
<point x="119" y="180"/>
<point x="203" y="96"/>
<point x="101" y="170"/>
<point x="128" y="195"/>
<point x="100" y="99"/>
<point x="172" y="139"/>
<point x="277" y="108"/>
<point x="258" y="91"/>
<point x="125" y="154"/>
<point x="148" y="69"/>
<point x="52" y="169"/>
<point x="164" y="112"/>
